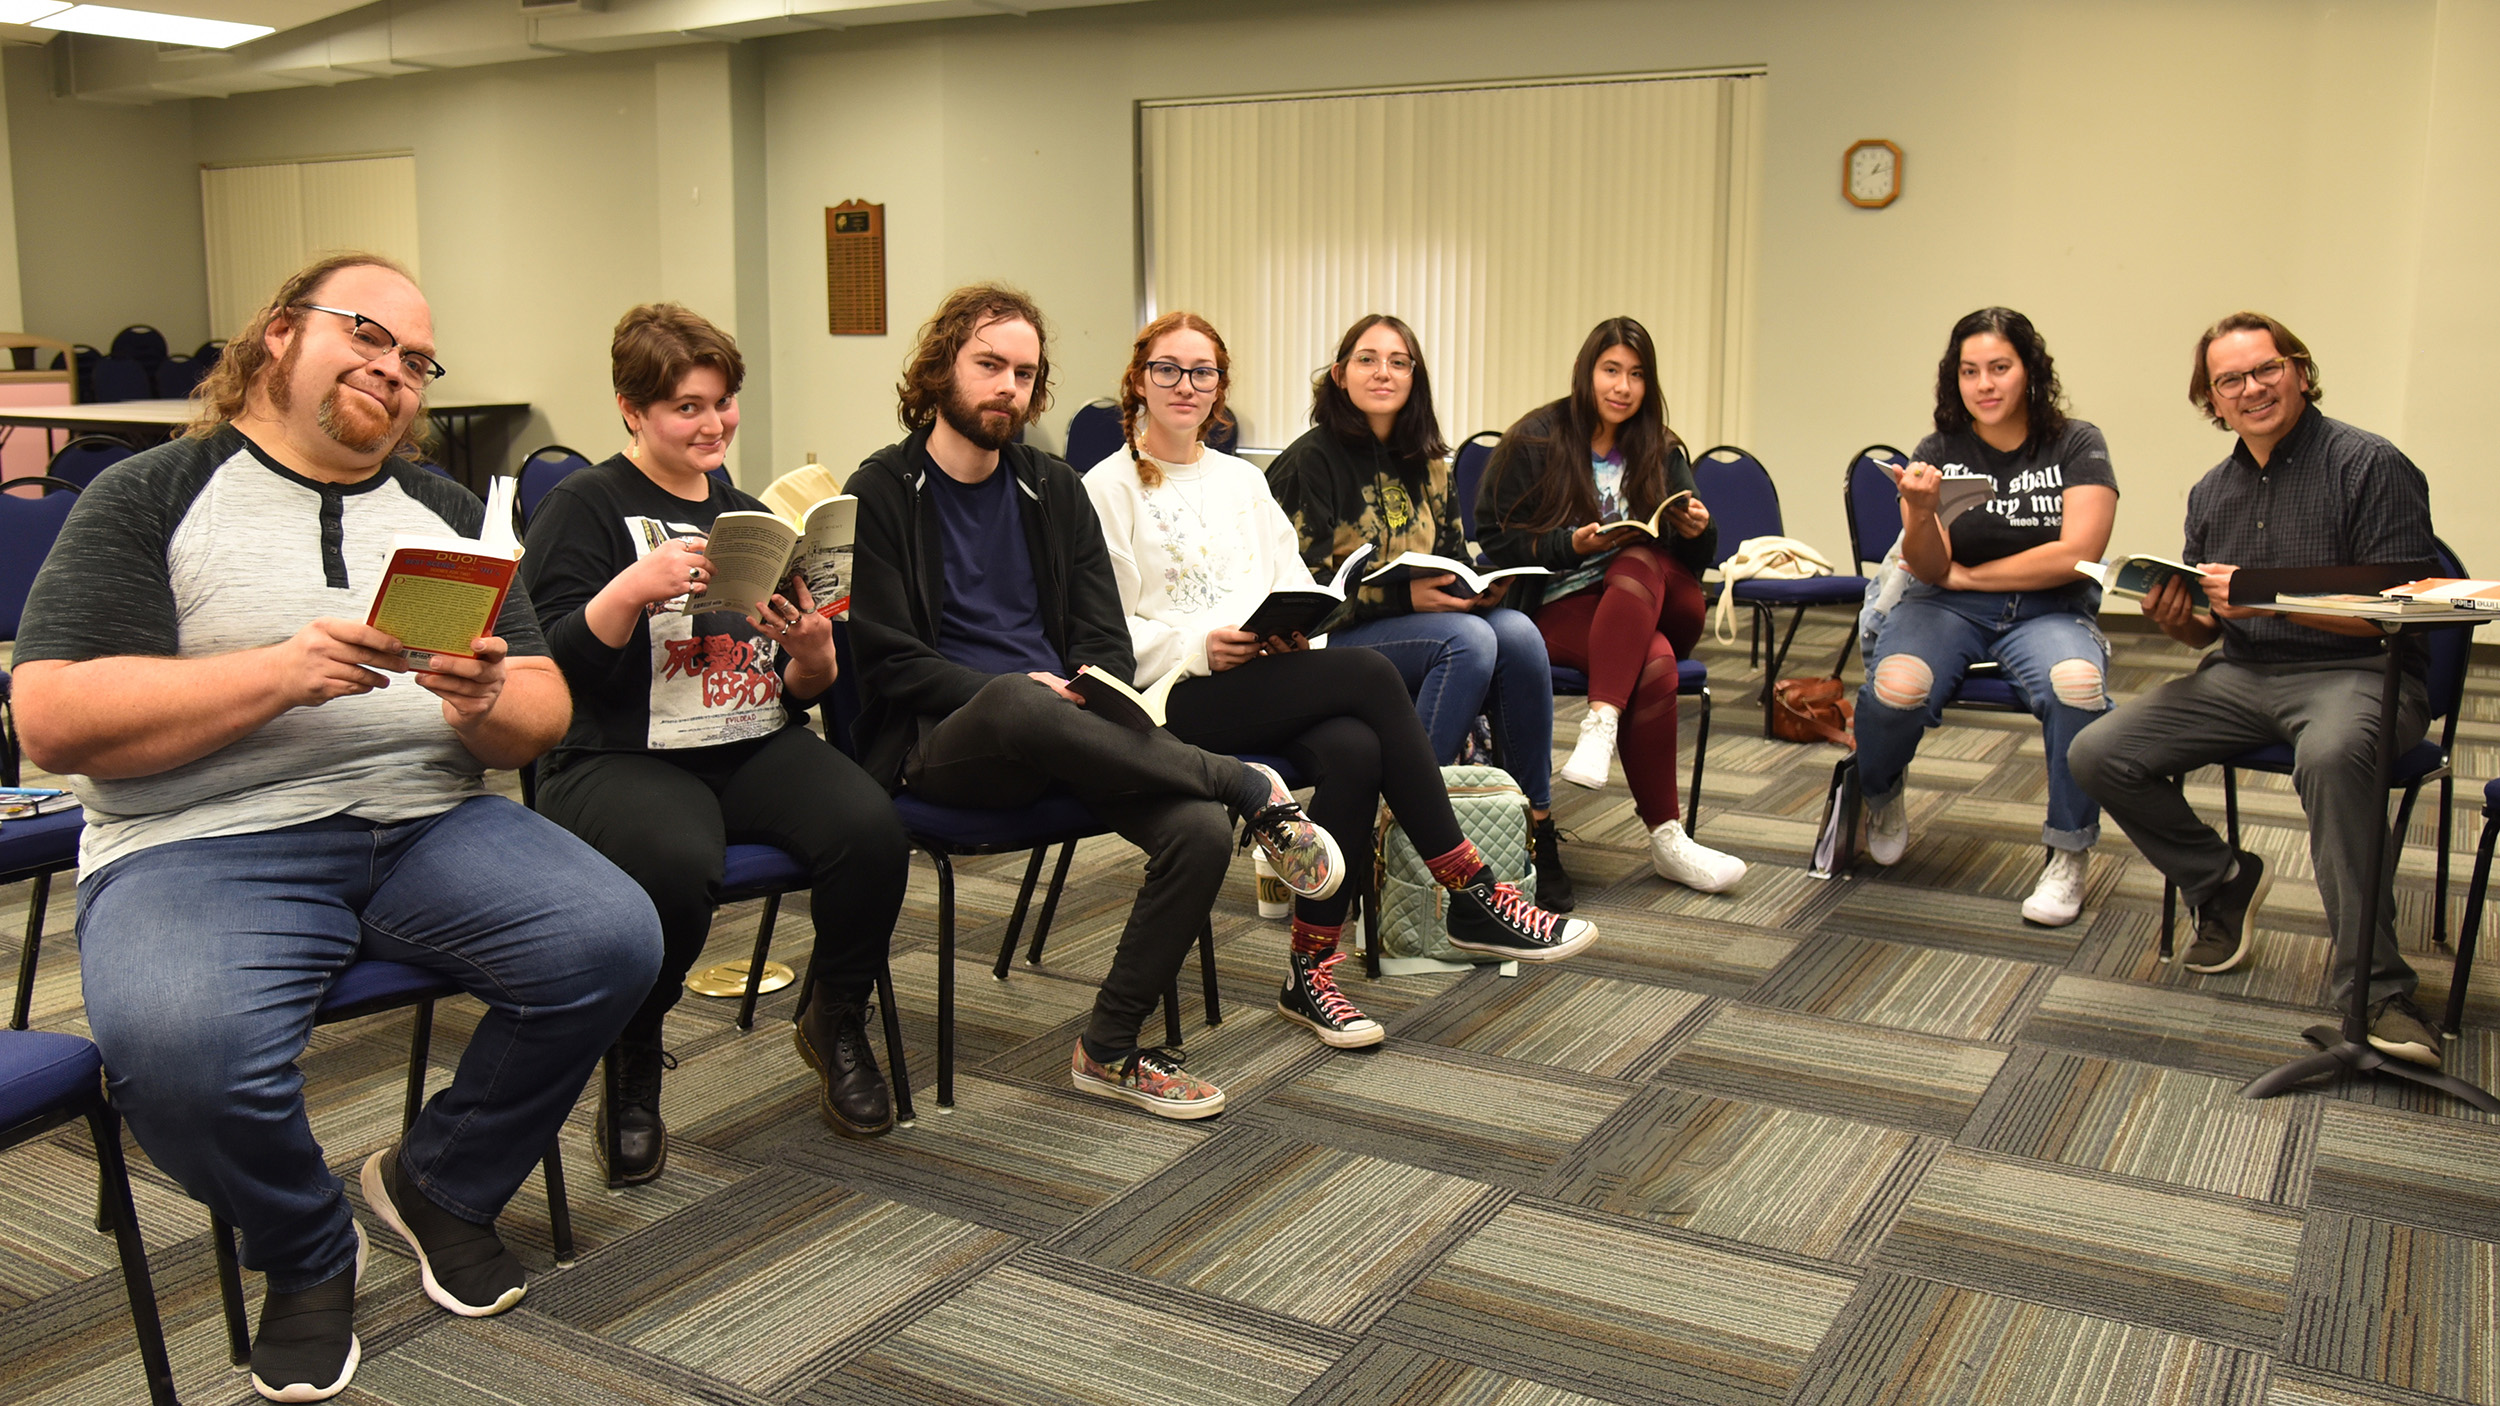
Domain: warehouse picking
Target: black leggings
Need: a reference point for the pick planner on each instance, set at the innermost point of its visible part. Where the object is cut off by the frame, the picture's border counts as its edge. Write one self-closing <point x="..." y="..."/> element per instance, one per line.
<point x="1343" y="716"/>
<point x="667" y="819"/>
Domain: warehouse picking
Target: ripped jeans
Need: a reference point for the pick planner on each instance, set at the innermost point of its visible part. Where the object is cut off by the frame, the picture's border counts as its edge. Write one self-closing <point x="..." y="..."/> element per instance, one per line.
<point x="2042" y="639"/>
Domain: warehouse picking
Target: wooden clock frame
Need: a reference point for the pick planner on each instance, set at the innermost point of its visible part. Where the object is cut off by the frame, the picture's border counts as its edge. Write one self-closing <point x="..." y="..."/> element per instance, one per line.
<point x="1849" y="158"/>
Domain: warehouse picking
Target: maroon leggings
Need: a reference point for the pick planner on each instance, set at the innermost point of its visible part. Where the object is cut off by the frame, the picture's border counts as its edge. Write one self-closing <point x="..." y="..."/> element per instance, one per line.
<point x="1627" y="636"/>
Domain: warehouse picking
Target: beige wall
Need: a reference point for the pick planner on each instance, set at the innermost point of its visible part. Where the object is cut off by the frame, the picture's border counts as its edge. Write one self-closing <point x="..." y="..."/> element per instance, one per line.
<point x="108" y="212"/>
<point x="2124" y="172"/>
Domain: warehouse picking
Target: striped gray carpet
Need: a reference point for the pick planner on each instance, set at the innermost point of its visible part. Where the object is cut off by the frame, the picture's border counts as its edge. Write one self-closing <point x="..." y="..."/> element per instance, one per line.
<point x="1868" y="1141"/>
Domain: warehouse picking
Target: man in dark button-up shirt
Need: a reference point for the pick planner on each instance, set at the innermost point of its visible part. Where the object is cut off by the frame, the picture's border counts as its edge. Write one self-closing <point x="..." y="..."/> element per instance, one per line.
<point x="2298" y="489"/>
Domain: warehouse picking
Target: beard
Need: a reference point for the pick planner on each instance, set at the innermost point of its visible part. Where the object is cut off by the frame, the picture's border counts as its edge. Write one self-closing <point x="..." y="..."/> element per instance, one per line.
<point x="970" y="420"/>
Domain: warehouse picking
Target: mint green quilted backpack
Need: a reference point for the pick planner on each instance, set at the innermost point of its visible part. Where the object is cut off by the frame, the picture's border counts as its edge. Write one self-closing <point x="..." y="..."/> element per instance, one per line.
<point x="1493" y="812"/>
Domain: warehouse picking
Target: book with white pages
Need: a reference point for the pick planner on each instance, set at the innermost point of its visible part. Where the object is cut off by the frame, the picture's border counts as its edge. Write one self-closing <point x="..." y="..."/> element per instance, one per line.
<point x="2136" y="577"/>
<point x="2458" y="591"/>
<point x="1957" y="494"/>
<point x="753" y="554"/>
<point x="1426" y="564"/>
<point x="1305" y="610"/>
<point x="1112" y="698"/>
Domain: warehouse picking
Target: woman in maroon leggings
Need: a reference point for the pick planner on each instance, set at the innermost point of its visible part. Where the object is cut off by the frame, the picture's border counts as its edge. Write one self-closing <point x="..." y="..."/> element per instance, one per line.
<point x="1622" y="606"/>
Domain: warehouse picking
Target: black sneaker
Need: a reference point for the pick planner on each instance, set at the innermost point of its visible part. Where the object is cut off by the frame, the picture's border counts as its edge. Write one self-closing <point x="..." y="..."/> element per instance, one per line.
<point x="306" y="1349"/>
<point x="832" y="1036"/>
<point x="2398" y="1027"/>
<point x="463" y="1266"/>
<point x="1497" y="918"/>
<point x="632" y="1141"/>
<point x="1311" y="997"/>
<point x="1553" y="886"/>
<point x="2226" y="926"/>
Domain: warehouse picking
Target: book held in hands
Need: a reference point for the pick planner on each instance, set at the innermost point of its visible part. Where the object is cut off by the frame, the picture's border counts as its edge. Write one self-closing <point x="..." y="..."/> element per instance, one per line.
<point x="1654" y="524"/>
<point x="1305" y="610"/>
<point x="1114" y="699"/>
<point x="753" y="554"/>
<point x="440" y="594"/>
<point x="1957" y="494"/>
<point x="1412" y="564"/>
<point x="2139" y="576"/>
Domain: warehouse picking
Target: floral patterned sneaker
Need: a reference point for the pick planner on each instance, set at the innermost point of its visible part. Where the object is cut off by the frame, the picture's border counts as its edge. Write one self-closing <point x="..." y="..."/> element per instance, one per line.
<point x="1151" y="1079"/>
<point x="1305" y="856"/>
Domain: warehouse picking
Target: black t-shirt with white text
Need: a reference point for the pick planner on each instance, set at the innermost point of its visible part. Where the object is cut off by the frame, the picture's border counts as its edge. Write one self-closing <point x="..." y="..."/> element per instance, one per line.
<point x="2029" y="508"/>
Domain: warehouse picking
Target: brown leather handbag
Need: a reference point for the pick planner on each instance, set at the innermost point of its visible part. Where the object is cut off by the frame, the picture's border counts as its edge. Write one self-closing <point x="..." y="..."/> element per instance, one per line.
<point x="1812" y="710"/>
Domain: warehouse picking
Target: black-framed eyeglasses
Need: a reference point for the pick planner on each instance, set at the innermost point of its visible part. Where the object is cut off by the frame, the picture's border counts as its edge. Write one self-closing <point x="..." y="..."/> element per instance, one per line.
<point x="2264" y="373"/>
<point x="1168" y="374"/>
<point x="373" y="341"/>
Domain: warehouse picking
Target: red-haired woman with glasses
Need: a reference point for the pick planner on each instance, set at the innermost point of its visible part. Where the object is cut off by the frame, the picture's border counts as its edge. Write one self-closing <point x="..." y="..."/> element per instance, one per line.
<point x="1196" y="544"/>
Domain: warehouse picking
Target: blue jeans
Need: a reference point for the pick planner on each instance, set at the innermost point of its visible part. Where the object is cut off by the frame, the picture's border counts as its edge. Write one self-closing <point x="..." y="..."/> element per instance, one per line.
<point x="1459" y="664"/>
<point x="2027" y="633"/>
<point x="204" y="960"/>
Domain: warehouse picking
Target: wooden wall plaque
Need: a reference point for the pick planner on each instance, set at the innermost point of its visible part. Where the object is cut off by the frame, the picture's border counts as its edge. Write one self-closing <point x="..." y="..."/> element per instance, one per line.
<point x="855" y="269"/>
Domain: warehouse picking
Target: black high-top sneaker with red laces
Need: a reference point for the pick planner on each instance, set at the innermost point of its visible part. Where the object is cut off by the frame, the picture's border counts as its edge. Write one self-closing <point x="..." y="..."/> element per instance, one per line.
<point x="1311" y="998"/>
<point x="1497" y="918"/>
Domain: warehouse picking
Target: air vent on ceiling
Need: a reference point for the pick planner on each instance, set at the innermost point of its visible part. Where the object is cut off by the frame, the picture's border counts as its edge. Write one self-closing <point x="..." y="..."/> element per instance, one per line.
<point x="561" y="7"/>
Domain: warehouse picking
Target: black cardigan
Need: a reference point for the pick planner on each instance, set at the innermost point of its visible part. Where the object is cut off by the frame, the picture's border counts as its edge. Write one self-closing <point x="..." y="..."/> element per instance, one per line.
<point x="1515" y="464"/>
<point x="898" y="591"/>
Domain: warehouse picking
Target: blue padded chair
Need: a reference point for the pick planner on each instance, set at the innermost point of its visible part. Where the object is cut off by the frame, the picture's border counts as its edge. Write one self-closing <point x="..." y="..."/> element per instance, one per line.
<point x="2463" y="973"/>
<point x="207" y="354"/>
<point x="721" y="476"/>
<point x="118" y="378"/>
<point x="371" y="987"/>
<point x="1745" y="503"/>
<point x="1093" y="434"/>
<point x="28" y="527"/>
<point x="80" y="460"/>
<point x="140" y="343"/>
<point x="541" y="470"/>
<point x="947" y="833"/>
<point x="1467" y="474"/>
<point x="33" y="849"/>
<point x="82" y="372"/>
<point x="47" y="1080"/>
<point x="2427" y="760"/>
<point x="1692" y="680"/>
<point x="175" y="376"/>
<point x="1873" y="507"/>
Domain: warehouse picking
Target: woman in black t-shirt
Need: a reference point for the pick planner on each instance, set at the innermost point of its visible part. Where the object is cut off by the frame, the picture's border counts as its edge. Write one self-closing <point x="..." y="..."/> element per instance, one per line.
<point x="1996" y="582"/>
<point x="688" y="728"/>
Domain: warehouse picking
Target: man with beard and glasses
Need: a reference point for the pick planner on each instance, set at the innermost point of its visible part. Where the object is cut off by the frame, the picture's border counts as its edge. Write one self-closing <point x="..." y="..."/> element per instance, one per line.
<point x="271" y="796"/>
<point x="981" y="586"/>
<point x="2298" y="490"/>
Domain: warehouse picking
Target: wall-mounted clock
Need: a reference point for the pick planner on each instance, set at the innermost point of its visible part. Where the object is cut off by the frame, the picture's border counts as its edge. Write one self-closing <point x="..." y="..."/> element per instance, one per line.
<point x="1870" y="175"/>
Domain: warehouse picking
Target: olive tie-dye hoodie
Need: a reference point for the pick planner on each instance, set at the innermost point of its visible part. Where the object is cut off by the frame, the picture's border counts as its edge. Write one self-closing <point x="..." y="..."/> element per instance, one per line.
<point x="1342" y="495"/>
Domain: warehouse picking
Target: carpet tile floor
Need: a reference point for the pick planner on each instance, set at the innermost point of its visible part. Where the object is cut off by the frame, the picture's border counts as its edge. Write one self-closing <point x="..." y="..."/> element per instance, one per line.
<point x="1855" y="1142"/>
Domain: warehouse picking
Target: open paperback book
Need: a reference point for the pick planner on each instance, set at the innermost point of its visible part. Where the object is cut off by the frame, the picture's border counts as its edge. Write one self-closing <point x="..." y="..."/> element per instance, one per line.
<point x="753" y="553"/>
<point x="2457" y="591"/>
<point x="1410" y="564"/>
<point x="2368" y="606"/>
<point x="1305" y="610"/>
<point x="438" y="594"/>
<point x="1654" y="523"/>
<point x="1956" y="495"/>
<point x="2137" y="577"/>
<point x="1122" y="704"/>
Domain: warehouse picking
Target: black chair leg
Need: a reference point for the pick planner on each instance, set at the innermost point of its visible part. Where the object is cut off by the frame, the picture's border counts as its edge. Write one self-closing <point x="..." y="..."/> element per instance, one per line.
<point x="113" y="1178"/>
<point x="1206" y="972"/>
<point x="1172" y="1014"/>
<point x="899" y="1073"/>
<point x="1701" y="751"/>
<point x="230" y="1288"/>
<point x="559" y="1206"/>
<point x="2447" y="829"/>
<point x="755" y="964"/>
<point x="35" y="905"/>
<point x="1050" y="903"/>
<point x="946" y="978"/>
<point x="2463" y="971"/>
<point x="2231" y="805"/>
<point x="420" y="1045"/>
<point x="1015" y="919"/>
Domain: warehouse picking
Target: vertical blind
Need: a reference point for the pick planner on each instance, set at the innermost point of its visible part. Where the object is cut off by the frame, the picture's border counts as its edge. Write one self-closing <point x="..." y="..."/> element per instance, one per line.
<point x="1501" y="222"/>
<point x="265" y="221"/>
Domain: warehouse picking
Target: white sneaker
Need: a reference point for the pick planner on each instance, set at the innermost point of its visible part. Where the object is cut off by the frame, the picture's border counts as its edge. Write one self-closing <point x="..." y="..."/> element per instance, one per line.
<point x="1888" y="829"/>
<point x="2058" y="897"/>
<point x="1681" y="859"/>
<point x="1595" y="752"/>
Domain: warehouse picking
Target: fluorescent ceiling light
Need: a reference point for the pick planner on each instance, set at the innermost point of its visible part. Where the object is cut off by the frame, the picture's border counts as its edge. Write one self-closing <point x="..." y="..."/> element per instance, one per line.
<point x="148" y="25"/>
<point x="29" y="11"/>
